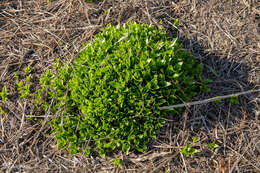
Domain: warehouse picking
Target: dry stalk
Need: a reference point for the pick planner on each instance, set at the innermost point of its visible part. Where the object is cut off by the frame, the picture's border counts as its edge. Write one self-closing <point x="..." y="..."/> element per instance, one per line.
<point x="208" y="100"/>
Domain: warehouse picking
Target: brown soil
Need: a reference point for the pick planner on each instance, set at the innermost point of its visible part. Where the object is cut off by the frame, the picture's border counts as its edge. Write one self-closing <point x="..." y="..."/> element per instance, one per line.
<point x="223" y="35"/>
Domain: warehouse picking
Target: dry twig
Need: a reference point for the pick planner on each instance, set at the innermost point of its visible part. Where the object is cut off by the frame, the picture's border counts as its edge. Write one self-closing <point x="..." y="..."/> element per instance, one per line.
<point x="208" y="100"/>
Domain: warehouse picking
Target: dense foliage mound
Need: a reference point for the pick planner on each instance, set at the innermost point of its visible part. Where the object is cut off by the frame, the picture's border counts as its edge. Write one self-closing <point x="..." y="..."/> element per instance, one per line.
<point x="110" y="96"/>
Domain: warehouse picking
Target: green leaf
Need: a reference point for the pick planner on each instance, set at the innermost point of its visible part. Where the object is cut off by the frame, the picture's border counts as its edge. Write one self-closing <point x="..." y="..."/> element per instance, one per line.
<point x="126" y="147"/>
<point x="233" y="100"/>
<point x="176" y="22"/>
<point x="117" y="162"/>
<point x="28" y="69"/>
<point x="28" y="79"/>
<point x="189" y="151"/>
<point x="195" y="139"/>
<point x="2" y="111"/>
<point x="115" y="84"/>
<point x="16" y="76"/>
<point x="213" y="146"/>
<point x="4" y="94"/>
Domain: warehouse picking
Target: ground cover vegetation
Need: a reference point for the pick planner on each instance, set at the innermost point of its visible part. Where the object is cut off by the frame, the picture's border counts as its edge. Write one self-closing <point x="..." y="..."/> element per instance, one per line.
<point x="111" y="95"/>
<point x="42" y="67"/>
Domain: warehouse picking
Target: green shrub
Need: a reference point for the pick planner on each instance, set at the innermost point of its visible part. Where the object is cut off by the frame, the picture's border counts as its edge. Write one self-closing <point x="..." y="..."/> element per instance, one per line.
<point x="109" y="97"/>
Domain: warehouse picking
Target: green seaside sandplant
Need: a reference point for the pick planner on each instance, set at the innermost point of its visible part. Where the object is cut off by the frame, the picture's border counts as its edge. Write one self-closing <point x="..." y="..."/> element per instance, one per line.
<point x="109" y="97"/>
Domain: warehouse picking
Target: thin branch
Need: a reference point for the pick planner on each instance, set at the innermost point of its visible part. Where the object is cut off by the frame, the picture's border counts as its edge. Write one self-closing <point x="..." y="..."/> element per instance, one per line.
<point x="208" y="100"/>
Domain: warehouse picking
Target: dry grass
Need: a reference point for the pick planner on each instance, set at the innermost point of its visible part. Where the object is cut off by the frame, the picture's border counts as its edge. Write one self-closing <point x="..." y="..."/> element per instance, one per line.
<point x="224" y="35"/>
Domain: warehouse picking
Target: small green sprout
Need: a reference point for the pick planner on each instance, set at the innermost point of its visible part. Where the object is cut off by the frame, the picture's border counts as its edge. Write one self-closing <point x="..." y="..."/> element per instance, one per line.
<point x="27" y="69"/>
<point x="213" y="146"/>
<point x="234" y="99"/>
<point x="16" y="76"/>
<point x="28" y="79"/>
<point x="106" y="11"/>
<point x="57" y="63"/>
<point x="24" y="90"/>
<point x="2" y="111"/>
<point x="218" y="101"/>
<point x="195" y="139"/>
<point x="161" y="22"/>
<point x="176" y="22"/>
<point x="189" y="151"/>
<point x="117" y="162"/>
<point x="4" y="94"/>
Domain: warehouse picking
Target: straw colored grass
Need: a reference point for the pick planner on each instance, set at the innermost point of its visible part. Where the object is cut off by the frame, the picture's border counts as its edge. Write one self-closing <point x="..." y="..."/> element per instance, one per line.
<point x="223" y="35"/>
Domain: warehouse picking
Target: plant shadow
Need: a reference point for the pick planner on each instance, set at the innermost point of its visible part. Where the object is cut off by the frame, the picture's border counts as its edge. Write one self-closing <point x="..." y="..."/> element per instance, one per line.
<point x="227" y="77"/>
<point x="213" y="121"/>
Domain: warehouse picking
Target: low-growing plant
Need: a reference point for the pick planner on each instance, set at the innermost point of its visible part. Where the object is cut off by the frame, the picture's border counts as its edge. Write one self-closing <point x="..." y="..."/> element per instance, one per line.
<point x="233" y="100"/>
<point x="117" y="162"/>
<point x="195" y="139"/>
<point x="189" y="151"/>
<point x="2" y="111"/>
<point x="28" y="69"/>
<point x="213" y="146"/>
<point x="110" y="97"/>
<point x="16" y="76"/>
<point x="24" y="89"/>
<point x="3" y="94"/>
